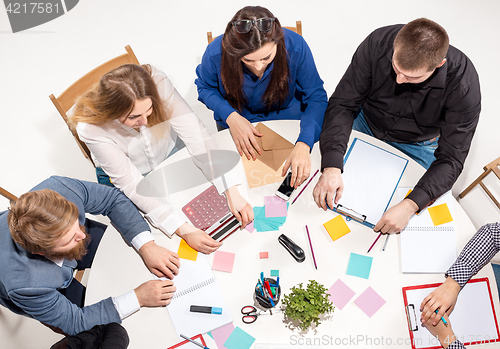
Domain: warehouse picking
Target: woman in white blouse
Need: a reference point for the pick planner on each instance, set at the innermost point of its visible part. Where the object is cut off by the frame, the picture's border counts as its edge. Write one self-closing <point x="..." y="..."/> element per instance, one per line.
<point x="130" y="121"/>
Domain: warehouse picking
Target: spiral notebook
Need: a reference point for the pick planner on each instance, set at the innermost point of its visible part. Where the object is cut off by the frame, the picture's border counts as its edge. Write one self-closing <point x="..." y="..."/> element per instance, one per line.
<point x="426" y="247"/>
<point x="196" y="285"/>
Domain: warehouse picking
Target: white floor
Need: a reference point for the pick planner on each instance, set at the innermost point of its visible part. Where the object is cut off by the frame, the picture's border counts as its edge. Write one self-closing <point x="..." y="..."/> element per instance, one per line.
<point x="171" y="35"/>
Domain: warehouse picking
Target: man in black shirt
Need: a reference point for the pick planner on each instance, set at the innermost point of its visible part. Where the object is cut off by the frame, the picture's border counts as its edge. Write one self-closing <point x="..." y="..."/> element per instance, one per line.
<point x="408" y="87"/>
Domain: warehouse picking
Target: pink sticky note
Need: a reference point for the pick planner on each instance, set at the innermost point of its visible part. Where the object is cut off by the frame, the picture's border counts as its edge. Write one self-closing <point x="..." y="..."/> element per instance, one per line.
<point x="221" y="334"/>
<point x="223" y="261"/>
<point x="250" y="227"/>
<point x="370" y="302"/>
<point x="263" y="255"/>
<point x="275" y="207"/>
<point x="340" y="294"/>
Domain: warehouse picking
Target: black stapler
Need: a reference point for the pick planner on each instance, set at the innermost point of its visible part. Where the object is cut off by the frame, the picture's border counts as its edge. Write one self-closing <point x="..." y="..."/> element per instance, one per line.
<point x="293" y="248"/>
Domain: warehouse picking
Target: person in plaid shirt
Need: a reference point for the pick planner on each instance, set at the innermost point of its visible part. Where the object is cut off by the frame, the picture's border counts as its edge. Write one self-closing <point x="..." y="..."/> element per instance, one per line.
<point x="478" y="252"/>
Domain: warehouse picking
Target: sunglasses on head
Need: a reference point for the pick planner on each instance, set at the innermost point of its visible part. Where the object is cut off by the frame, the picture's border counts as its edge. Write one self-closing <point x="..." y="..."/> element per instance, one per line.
<point x="243" y="26"/>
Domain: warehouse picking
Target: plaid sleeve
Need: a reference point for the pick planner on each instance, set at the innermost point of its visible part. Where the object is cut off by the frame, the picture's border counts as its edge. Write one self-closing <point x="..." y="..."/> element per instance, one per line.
<point x="456" y="344"/>
<point x="476" y="254"/>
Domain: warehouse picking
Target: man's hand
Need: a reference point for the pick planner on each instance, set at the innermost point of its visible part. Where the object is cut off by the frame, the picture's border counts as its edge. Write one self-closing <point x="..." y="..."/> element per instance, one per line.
<point x="443" y="332"/>
<point x="197" y="239"/>
<point x="329" y="186"/>
<point x="239" y="206"/>
<point x="443" y="298"/>
<point x="159" y="260"/>
<point x="396" y="218"/>
<point x="243" y="133"/>
<point x="300" y="163"/>
<point x="155" y="293"/>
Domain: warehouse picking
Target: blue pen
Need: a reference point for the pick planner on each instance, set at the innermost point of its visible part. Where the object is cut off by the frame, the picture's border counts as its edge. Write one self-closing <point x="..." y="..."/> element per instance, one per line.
<point x="278" y="281"/>
<point x="262" y="276"/>
<point x="444" y="320"/>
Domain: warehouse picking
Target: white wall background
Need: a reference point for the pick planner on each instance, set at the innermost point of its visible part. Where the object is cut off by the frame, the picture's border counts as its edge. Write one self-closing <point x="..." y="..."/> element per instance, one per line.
<point x="35" y="143"/>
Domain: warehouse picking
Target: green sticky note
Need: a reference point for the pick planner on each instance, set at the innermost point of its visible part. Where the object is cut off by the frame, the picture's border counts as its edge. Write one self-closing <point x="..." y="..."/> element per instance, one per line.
<point x="239" y="339"/>
<point x="275" y="273"/>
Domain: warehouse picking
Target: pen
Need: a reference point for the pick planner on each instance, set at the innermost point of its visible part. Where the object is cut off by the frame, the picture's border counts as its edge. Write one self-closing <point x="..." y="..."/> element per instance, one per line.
<point x="305" y="186"/>
<point x="194" y="342"/>
<point x="278" y="281"/>
<point x="310" y="244"/>
<point x="374" y="242"/>
<point x="385" y="243"/>
<point x="442" y="318"/>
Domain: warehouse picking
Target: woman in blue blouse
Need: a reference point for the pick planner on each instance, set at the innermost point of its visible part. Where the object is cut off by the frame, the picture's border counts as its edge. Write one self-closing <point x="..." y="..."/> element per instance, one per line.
<point x="260" y="71"/>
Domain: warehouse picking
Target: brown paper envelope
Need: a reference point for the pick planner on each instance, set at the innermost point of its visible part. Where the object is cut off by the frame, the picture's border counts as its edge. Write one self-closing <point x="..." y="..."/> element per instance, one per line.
<point x="275" y="149"/>
<point x="259" y="174"/>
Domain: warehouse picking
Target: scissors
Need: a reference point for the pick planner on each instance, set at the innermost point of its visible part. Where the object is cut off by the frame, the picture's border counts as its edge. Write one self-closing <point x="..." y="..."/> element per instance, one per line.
<point x="250" y="314"/>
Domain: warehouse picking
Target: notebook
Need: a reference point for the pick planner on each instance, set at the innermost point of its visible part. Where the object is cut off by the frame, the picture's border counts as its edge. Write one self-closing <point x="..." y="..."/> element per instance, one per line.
<point x="371" y="176"/>
<point x="196" y="285"/>
<point x="426" y="247"/>
<point x="473" y="320"/>
<point x="209" y="212"/>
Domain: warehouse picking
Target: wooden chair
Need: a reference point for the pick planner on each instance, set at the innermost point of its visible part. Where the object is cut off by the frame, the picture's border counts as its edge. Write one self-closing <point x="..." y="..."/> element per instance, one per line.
<point x="494" y="167"/>
<point x="8" y="195"/>
<point x="67" y="99"/>
<point x="297" y="29"/>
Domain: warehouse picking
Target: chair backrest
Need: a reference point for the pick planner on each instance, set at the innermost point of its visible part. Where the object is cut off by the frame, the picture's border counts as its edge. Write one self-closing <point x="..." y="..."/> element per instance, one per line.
<point x="67" y="99"/>
<point x="297" y="29"/>
<point x="8" y="195"/>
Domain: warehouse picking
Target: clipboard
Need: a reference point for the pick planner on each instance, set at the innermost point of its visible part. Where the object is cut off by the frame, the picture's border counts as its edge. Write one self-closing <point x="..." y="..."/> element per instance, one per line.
<point x="371" y="177"/>
<point x="474" y="298"/>
<point x="198" y="336"/>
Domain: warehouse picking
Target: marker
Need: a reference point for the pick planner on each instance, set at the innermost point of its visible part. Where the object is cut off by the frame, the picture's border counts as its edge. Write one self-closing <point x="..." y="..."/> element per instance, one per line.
<point x="194" y="342"/>
<point x="206" y="310"/>
<point x="278" y="281"/>
<point x="444" y="320"/>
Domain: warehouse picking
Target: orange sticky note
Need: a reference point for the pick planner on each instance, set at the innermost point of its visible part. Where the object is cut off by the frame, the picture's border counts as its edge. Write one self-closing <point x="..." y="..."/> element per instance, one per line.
<point x="440" y="214"/>
<point x="187" y="252"/>
<point x="336" y="227"/>
<point x="409" y="191"/>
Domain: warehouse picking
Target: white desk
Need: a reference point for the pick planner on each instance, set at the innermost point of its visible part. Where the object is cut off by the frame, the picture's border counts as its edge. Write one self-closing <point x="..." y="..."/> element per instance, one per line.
<point x="117" y="268"/>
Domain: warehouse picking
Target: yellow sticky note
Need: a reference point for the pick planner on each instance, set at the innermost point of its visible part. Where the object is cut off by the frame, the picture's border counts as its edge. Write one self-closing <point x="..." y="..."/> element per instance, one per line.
<point x="440" y="214"/>
<point x="336" y="227"/>
<point x="186" y="251"/>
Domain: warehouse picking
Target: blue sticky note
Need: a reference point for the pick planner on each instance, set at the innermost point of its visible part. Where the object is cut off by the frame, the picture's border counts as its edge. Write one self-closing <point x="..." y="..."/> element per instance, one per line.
<point x="275" y="272"/>
<point x="239" y="339"/>
<point x="359" y="266"/>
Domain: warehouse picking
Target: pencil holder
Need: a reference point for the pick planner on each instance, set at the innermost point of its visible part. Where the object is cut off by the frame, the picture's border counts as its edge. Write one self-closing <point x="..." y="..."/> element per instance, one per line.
<point x="262" y="296"/>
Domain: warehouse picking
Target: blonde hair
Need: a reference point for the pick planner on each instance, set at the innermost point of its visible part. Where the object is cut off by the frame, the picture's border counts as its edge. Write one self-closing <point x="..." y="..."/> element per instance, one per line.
<point x="115" y="94"/>
<point x="38" y="219"/>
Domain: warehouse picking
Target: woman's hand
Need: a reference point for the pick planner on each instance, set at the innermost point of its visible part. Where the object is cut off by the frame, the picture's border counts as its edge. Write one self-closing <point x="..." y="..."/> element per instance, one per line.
<point x="300" y="163"/>
<point x="239" y="206"/>
<point x="198" y="239"/>
<point x="243" y="133"/>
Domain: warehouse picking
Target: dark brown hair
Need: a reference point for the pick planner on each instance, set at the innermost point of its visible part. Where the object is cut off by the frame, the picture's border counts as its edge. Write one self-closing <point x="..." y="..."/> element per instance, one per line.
<point x="235" y="46"/>
<point x="38" y="219"/>
<point x="421" y="44"/>
<point x="115" y="94"/>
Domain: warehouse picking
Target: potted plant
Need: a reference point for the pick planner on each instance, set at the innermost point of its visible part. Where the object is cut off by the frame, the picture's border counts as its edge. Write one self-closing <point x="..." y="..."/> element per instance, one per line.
<point x="306" y="305"/>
